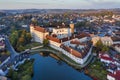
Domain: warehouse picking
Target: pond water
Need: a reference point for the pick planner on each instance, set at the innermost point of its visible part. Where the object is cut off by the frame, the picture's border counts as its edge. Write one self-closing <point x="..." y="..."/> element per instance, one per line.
<point x="47" y="68"/>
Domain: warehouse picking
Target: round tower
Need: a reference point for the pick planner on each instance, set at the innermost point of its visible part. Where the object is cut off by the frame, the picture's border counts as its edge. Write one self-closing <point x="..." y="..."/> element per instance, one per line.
<point x="72" y="28"/>
<point x="31" y="28"/>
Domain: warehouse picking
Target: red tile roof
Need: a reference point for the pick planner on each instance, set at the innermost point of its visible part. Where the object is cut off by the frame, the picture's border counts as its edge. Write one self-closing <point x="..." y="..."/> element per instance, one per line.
<point x="53" y="39"/>
<point x="83" y="34"/>
<point x="72" y="51"/>
<point x="40" y="29"/>
<point x="106" y="58"/>
<point x="115" y="75"/>
<point x="115" y="38"/>
<point x="76" y="42"/>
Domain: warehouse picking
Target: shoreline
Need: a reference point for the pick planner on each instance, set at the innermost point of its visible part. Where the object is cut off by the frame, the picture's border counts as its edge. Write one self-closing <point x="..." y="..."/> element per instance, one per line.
<point x="58" y="58"/>
<point x="78" y="69"/>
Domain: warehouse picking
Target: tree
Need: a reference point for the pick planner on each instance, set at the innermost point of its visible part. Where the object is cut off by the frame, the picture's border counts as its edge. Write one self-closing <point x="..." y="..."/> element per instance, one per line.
<point x="10" y="73"/>
<point x="45" y="42"/>
<point x="99" y="45"/>
<point x="80" y="24"/>
<point x="28" y="37"/>
<point x="105" y="48"/>
<point x="26" y="77"/>
<point x="15" y="76"/>
<point x="20" y="48"/>
<point x="34" y="22"/>
<point x="20" y="38"/>
<point x="13" y="38"/>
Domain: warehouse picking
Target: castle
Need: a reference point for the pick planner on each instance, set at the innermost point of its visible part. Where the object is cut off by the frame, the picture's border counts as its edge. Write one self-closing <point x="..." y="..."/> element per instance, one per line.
<point x="78" y="47"/>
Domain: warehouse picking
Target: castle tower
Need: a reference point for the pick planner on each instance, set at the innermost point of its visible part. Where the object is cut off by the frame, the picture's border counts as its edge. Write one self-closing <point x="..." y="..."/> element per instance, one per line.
<point x="32" y="30"/>
<point x="72" y="28"/>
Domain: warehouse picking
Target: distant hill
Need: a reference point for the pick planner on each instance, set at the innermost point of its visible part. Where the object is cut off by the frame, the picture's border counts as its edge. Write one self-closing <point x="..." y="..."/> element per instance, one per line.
<point x="116" y="10"/>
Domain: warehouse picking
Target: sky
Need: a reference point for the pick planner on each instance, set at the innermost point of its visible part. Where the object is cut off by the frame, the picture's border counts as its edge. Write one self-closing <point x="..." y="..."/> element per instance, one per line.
<point x="59" y="4"/>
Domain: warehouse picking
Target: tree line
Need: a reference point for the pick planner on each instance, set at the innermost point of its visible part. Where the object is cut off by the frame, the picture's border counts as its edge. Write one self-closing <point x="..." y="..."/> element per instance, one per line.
<point x="19" y="39"/>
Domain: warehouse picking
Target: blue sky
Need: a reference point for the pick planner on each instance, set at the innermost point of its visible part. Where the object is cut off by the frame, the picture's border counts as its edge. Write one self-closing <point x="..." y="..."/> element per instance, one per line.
<point x="59" y="4"/>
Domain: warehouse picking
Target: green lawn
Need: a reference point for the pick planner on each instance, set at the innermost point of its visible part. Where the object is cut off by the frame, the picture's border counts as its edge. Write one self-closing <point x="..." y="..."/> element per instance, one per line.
<point x="97" y="70"/>
<point x="31" y="45"/>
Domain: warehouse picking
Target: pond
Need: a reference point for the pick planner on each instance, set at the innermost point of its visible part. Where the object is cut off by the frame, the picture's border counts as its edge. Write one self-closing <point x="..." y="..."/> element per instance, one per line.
<point x="48" y="68"/>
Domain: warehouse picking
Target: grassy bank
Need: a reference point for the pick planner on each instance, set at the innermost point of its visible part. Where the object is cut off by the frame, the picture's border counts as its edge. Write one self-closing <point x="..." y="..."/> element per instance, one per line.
<point x="24" y="72"/>
<point x="97" y="70"/>
<point x="31" y="45"/>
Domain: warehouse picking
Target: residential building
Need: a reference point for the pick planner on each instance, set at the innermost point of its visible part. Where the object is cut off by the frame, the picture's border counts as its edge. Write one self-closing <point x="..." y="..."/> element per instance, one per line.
<point x="2" y="44"/>
<point x="107" y="41"/>
<point x="114" y="76"/>
<point x="117" y="47"/>
<point x="105" y="58"/>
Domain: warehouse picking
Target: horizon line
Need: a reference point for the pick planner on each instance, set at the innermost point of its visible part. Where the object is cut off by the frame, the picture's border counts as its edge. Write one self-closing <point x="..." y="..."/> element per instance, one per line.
<point x="61" y="8"/>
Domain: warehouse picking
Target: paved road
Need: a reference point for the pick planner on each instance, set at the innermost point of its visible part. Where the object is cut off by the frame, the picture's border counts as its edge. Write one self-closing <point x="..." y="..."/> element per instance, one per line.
<point x="15" y="58"/>
<point x="40" y="50"/>
<point x="13" y="53"/>
<point x="19" y="59"/>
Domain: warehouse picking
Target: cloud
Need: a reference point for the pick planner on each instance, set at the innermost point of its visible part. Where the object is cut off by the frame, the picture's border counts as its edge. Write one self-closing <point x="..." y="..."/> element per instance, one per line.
<point x="99" y="1"/>
<point x="61" y="4"/>
<point x="21" y="5"/>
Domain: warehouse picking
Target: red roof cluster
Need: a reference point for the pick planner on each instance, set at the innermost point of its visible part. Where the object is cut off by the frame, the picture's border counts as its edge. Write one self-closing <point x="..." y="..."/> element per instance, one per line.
<point x="54" y="37"/>
<point x="77" y="53"/>
<point x="105" y="57"/>
<point x="115" y="75"/>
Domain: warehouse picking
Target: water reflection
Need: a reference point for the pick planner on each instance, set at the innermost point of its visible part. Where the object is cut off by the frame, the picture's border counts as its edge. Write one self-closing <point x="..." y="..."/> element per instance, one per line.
<point x="47" y="68"/>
